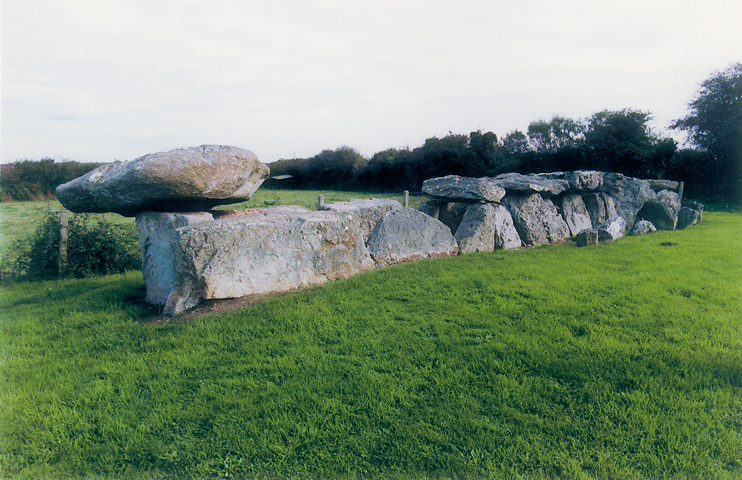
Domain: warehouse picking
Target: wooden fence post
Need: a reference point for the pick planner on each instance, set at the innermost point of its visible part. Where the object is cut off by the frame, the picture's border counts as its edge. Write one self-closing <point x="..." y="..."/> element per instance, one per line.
<point x="63" y="236"/>
<point x="406" y="199"/>
<point x="321" y="202"/>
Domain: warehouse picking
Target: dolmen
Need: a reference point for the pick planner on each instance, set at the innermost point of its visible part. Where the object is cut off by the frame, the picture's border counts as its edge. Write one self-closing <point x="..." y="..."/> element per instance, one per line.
<point x="193" y="252"/>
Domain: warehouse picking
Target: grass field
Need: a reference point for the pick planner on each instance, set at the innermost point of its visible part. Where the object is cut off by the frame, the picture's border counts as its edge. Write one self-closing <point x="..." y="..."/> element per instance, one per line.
<point x="622" y="360"/>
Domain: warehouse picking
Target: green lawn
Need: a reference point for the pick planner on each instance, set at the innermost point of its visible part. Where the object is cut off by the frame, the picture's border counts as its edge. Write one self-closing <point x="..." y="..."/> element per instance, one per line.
<point x="622" y="360"/>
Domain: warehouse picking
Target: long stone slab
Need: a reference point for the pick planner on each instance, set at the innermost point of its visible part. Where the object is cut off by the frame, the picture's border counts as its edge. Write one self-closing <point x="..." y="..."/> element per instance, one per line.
<point x="239" y="255"/>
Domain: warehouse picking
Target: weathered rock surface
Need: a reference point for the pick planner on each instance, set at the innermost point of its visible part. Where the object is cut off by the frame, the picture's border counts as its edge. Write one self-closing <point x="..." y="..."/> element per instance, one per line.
<point x="536" y="219"/>
<point x="659" y="185"/>
<point x="486" y="227"/>
<point x="181" y="180"/>
<point x="642" y="227"/>
<point x="588" y="236"/>
<point x="671" y="198"/>
<point x="630" y="195"/>
<point x="612" y="229"/>
<point x="451" y="214"/>
<point x="687" y="217"/>
<point x="477" y="230"/>
<point x="662" y="211"/>
<point x="506" y="235"/>
<point x="156" y="231"/>
<point x="581" y="181"/>
<point x="364" y="213"/>
<point x="516" y="183"/>
<point x="258" y="253"/>
<point x="575" y="213"/>
<point x="406" y="235"/>
<point x="455" y="188"/>
<point x="600" y="206"/>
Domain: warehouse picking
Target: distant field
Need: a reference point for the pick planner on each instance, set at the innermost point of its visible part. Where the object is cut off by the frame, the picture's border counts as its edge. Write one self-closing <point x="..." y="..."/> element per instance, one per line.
<point x="20" y="218"/>
<point x="622" y="360"/>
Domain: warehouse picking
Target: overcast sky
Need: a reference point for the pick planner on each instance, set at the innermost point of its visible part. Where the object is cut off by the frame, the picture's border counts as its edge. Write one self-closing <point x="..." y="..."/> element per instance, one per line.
<point x="105" y="80"/>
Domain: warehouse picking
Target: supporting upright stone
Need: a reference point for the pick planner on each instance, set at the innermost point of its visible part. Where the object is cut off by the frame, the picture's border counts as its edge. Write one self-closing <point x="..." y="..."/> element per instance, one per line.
<point x="688" y="217"/>
<point x="160" y="256"/>
<point x="600" y="207"/>
<point x="485" y="227"/>
<point x="536" y="219"/>
<point x="575" y="213"/>
<point x="662" y="211"/>
<point x="630" y="195"/>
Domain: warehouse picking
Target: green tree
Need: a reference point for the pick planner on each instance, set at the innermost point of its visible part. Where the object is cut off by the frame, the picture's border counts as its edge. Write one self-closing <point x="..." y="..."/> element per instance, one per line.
<point x="558" y="133"/>
<point x="329" y="168"/>
<point x="539" y="136"/>
<point x="715" y="123"/>
<point x="388" y="170"/>
<point x="449" y="155"/>
<point x="515" y="143"/>
<point x="620" y="141"/>
<point x="485" y="153"/>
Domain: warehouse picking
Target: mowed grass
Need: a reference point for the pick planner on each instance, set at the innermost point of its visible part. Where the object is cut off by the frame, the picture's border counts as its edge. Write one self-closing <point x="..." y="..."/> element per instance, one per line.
<point x="622" y="360"/>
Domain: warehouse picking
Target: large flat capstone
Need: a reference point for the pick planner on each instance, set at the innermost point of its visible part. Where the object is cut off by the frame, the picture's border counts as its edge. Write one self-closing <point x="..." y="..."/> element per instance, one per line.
<point x="181" y="180"/>
<point x="453" y="187"/>
<point x="516" y="183"/>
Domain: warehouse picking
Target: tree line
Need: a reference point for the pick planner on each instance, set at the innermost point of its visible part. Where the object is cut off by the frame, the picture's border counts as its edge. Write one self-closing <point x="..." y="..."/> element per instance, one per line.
<point x="610" y="141"/>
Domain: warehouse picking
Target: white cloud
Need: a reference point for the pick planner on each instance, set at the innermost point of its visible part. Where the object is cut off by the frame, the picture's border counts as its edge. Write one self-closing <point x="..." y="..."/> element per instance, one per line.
<point x="97" y="80"/>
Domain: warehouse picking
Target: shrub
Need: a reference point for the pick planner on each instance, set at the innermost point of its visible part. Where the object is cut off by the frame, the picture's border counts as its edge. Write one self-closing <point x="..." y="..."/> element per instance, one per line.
<point x="95" y="246"/>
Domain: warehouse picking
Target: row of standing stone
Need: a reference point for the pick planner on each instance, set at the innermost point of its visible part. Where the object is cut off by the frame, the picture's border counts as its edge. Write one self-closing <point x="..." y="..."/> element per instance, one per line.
<point x="513" y="210"/>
